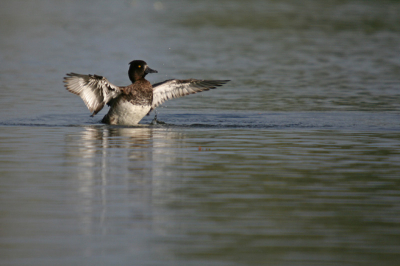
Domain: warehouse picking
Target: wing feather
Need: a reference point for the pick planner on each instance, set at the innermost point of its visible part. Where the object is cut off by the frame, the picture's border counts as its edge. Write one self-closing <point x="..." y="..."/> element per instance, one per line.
<point x="94" y="90"/>
<point x="175" y="88"/>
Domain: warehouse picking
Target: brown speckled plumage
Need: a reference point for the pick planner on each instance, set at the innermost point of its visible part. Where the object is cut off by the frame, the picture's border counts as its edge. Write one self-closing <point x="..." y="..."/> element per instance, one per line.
<point x="139" y="93"/>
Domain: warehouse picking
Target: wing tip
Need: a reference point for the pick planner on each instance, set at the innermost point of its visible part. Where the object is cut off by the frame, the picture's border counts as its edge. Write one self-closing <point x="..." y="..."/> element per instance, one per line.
<point x="222" y="82"/>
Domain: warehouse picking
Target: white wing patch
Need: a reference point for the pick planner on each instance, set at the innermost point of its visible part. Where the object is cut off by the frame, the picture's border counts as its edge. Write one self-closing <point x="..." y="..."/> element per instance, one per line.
<point x="175" y="88"/>
<point x="94" y="90"/>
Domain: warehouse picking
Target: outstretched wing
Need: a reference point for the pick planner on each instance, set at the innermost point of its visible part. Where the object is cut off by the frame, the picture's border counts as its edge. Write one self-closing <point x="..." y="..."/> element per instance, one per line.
<point x="94" y="90"/>
<point x="175" y="88"/>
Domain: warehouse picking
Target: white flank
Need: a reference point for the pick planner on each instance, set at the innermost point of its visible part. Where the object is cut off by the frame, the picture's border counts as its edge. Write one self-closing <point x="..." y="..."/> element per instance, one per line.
<point x="125" y="113"/>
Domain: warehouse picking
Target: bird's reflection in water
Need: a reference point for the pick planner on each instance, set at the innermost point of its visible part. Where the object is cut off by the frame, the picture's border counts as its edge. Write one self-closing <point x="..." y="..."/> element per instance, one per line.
<point x="117" y="169"/>
<point x="114" y="151"/>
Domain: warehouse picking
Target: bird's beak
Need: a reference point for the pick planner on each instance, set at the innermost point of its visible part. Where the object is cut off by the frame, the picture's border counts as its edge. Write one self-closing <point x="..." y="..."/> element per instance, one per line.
<point x="149" y="70"/>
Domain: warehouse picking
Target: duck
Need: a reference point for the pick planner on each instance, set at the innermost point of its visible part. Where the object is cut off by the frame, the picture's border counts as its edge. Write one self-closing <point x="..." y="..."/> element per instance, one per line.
<point x="129" y="104"/>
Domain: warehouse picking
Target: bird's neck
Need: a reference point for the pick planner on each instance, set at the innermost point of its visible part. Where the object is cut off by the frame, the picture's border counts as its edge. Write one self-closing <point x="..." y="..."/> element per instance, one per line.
<point x="134" y="78"/>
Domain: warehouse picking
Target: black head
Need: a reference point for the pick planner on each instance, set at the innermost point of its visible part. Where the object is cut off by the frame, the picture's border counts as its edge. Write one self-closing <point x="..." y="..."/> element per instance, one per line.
<point x="138" y="70"/>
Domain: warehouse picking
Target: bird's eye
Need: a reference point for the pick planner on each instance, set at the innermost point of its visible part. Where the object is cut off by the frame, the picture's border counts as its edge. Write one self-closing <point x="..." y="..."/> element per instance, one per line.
<point x="139" y="66"/>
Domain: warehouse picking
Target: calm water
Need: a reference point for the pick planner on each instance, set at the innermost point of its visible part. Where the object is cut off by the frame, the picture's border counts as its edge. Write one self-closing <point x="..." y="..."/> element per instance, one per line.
<point x="296" y="161"/>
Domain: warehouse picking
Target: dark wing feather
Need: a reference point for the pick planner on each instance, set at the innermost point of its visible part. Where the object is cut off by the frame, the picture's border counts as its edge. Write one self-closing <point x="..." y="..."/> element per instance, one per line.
<point x="175" y="88"/>
<point x="94" y="90"/>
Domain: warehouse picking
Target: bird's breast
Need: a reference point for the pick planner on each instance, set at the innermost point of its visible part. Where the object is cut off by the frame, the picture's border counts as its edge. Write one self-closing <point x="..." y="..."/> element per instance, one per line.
<point x="126" y="113"/>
